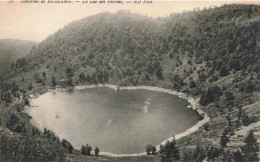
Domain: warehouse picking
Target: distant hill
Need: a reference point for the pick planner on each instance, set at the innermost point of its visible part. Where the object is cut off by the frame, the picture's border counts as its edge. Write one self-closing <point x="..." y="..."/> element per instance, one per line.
<point x="130" y="49"/>
<point x="12" y="49"/>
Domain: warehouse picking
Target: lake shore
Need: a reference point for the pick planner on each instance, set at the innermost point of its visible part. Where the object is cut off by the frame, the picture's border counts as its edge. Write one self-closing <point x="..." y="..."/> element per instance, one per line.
<point x="194" y="105"/>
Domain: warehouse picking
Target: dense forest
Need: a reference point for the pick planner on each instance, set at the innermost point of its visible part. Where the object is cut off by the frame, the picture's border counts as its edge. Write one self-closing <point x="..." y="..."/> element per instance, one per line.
<point x="11" y="50"/>
<point x="210" y="54"/>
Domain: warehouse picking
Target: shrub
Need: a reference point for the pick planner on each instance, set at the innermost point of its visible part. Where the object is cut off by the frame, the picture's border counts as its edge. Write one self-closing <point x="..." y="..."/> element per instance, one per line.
<point x="30" y="87"/>
<point x="26" y="101"/>
<point x="96" y="151"/>
<point x="148" y="149"/>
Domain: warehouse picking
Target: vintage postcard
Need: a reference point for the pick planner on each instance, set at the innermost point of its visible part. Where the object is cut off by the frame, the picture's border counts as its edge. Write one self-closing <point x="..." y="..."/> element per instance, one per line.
<point x="129" y="80"/>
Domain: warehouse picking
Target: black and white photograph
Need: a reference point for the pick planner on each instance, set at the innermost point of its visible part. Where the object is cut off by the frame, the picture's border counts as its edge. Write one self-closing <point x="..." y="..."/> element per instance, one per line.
<point x="129" y="81"/>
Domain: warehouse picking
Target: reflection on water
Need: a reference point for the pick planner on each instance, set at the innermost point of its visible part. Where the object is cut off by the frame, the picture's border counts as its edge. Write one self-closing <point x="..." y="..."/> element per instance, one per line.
<point x="120" y="122"/>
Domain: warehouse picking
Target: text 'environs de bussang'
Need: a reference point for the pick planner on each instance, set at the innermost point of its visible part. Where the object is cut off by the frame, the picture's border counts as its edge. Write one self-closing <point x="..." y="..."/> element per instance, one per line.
<point x="87" y="1"/>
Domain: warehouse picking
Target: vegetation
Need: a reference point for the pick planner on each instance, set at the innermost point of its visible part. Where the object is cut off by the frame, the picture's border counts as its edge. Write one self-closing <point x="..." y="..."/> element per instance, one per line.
<point x="211" y="153"/>
<point x="53" y="81"/>
<point x="150" y="150"/>
<point x="86" y="150"/>
<point x="96" y="151"/>
<point x="170" y="152"/>
<point x="224" y="139"/>
<point x="12" y="50"/>
<point x="250" y="149"/>
<point x="211" y="53"/>
<point x="31" y="146"/>
<point x="67" y="145"/>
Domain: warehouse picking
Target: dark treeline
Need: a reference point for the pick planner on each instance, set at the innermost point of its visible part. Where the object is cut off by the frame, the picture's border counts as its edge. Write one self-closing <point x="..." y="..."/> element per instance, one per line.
<point x="246" y="153"/>
<point x="30" y="145"/>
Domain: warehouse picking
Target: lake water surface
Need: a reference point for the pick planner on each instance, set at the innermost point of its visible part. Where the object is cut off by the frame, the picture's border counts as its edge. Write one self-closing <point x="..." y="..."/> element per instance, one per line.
<point x="120" y="122"/>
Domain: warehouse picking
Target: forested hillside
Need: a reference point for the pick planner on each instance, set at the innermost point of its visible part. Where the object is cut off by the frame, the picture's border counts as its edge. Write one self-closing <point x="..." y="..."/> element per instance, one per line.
<point x="11" y="50"/>
<point x="211" y="54"/>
